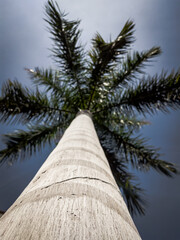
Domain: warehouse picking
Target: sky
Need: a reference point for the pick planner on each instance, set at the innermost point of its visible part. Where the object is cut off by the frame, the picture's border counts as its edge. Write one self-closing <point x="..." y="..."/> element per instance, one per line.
<point x="25" y="42"/>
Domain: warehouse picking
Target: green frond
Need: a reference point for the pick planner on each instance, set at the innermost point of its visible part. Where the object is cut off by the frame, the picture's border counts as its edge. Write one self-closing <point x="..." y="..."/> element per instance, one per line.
<point x="131" y="123"/>
<point x="132" y="65"/>
<point x="66" y="50"/>
<point x="19" y="104"/>
<point x="135" y="150"/>
<point x="134" y="197"/>
<point x="148" y="96"/>
<point x="132" y="193"/>
<point x="63" y="94"/>
<point x="98" y="42"/>
<point x="48" y="78"/>
<point x="153" y="94"/>
<point x="125" y="38"/>
<point x="144" y="157"/>
<point x="121" y="120"/>
<point x="104" y="55"/>
<point x="22" y="143"/>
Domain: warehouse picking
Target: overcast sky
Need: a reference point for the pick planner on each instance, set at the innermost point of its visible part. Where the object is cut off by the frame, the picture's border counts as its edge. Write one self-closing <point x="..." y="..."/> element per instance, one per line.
<point x="24" y="42"/>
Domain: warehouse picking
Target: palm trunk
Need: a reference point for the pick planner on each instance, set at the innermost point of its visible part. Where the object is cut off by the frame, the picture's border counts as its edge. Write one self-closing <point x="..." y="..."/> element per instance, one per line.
<point x="73" y="195"/>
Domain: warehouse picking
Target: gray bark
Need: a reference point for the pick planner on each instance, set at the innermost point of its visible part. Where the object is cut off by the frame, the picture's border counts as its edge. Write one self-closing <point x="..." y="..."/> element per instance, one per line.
<point x="73" y="195"/>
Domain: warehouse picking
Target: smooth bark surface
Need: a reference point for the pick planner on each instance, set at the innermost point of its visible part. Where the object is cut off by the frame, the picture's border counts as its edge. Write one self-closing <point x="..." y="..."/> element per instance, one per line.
<point x="73" y="195"/>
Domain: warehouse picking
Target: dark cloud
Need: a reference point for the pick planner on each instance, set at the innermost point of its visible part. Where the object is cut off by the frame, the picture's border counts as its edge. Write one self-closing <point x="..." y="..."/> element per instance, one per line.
<point x="24" y="41"/>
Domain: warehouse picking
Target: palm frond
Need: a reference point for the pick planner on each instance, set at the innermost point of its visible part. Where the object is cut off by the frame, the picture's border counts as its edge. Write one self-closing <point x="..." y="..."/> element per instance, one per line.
<point x="132" y="193"/>
<point x="103" y="55"/>
<point x="135" y="150"/>
<point x="153" y="94"/>
<point x="61" y="91"/>
<point x="121" y="120"/>
<point x="49" y="79"/>
<point x="127" y="75"/>
<point x="131" y="123"/>
<point x="132" y="65"/>
<point x="19" y="104"/>
<point x="22" y="143"/>
<point x="67" y="51"/>
<point x="150" y="95"/>
<point x="133" y="196"/>
<point x="144" y="157"/>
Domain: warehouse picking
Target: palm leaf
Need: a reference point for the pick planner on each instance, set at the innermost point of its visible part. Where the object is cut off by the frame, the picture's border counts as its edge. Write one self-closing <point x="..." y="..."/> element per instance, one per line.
<point x="132" y="193"/>
<point x="22" y="143"/>
<point x="49" y="79"/>
<point x="22" y="105"/>
<point x="153" y="94"/>
<point x="132" y="65"/>
<point x="103" y="55"/>
<point x="150" y="95"/>
<point x="66" y="51"/>
<point x="144" y="157"/>
<point x="65" y="34"/>
<point x="135" y="150"/>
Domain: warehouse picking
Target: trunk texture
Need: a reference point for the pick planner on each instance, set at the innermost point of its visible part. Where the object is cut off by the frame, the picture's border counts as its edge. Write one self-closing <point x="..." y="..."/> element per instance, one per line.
<point x="73" y="195"/>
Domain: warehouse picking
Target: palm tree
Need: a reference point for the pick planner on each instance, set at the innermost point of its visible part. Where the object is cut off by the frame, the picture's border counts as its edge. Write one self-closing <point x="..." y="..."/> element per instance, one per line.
<point x="106" y="85"/>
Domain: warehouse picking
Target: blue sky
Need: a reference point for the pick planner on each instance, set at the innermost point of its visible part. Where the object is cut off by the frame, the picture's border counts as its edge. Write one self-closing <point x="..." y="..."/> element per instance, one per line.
<point x="24" y="42"/>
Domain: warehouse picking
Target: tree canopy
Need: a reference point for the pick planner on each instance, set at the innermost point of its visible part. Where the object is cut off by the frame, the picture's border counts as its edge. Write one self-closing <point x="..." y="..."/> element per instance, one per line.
<point x="110" y="81"/>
